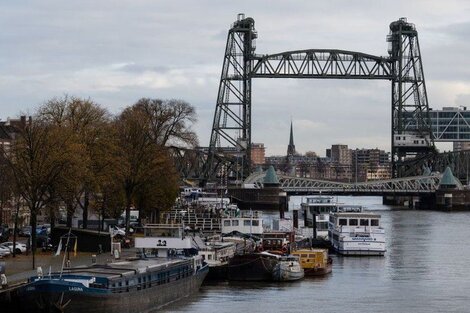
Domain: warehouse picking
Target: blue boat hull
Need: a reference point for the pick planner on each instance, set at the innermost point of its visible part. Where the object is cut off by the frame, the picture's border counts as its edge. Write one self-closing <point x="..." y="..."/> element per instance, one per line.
<point x="47" y="296"/>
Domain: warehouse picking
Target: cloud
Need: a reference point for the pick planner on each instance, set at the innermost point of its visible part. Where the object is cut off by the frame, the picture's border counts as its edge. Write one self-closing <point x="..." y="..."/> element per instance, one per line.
<point x="117" y="52"/>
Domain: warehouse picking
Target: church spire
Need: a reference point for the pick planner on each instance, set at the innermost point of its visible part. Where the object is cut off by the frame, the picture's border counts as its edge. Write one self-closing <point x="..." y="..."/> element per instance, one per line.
<point x="291" y="146"/>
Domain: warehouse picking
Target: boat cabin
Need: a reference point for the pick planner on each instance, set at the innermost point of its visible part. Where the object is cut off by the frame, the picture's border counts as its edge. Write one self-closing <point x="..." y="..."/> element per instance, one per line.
<point x="164" y="240"/>
<point x="245" y="222"/>
<point x="312" y="258"/>
<point x="340" y="220"/>
<point x="277" y="241"/>
<point x="217" y="252"/>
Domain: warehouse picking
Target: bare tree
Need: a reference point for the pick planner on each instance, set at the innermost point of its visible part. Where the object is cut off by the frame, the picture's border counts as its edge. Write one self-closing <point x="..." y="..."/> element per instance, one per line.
<point x="170" y="121"/>
<point x="38" y="157"/>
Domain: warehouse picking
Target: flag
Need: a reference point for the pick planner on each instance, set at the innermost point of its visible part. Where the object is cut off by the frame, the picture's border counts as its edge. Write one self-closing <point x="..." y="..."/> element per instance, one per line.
<point x="75" y="247"/>
<point x="59" y="248"/>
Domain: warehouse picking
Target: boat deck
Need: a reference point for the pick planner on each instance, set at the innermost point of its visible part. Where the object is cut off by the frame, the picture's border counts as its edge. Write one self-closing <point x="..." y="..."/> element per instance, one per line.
<point x="124" y="268"/>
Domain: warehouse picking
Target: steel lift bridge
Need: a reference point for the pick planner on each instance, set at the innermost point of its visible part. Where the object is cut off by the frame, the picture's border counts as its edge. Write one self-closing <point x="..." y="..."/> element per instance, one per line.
<point x="412" y="140"/>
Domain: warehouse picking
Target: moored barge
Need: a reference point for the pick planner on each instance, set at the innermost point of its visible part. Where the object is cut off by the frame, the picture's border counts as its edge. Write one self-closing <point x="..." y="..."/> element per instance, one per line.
<point x="141" y="284"/>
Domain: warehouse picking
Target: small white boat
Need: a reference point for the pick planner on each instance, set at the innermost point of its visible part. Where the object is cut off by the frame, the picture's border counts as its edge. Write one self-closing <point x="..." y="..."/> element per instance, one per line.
<point x="288" y="269"/>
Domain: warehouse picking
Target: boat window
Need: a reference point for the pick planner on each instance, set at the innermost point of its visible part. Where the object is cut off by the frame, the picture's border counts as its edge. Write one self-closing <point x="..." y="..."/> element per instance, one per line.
<point x="353" y="222"/>
<point x="374" y="222"/>
<point x="364" y="222"/>
<point x="343" y="222"/>
<point x="209" y="257"/>
<point x="235" y="223"/>
<point x="227" y="223"/>
<point x="246" y="223"/>
<point x="255" y="223"/>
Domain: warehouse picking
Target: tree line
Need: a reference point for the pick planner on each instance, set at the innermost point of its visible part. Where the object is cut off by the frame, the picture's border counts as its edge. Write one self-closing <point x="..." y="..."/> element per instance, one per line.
<point x="74" y="153"/>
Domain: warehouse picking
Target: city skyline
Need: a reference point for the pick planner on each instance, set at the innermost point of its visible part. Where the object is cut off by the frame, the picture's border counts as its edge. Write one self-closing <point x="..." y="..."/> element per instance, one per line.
<point x="116" y="54"/>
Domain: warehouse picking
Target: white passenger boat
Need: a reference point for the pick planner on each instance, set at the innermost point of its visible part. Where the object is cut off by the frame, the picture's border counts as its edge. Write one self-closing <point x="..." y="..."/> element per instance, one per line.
<point x="356" y="233"/>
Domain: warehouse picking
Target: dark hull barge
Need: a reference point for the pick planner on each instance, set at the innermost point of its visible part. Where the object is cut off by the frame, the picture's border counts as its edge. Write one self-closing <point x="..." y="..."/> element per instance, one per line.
<point x="124" y="287"/>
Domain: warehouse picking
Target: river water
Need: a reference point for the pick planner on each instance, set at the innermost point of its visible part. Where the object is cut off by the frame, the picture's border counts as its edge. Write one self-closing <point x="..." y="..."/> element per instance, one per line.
<point x="426" y="269"/>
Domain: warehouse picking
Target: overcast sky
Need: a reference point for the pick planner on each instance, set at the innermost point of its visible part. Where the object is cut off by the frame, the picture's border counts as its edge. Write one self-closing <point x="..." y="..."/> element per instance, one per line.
<point x="116" y="52"/>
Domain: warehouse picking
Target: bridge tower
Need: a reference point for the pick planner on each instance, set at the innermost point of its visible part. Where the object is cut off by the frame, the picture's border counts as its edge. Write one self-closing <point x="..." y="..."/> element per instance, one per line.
<point x="412" y="138"/>
<point x="231" y="129"/>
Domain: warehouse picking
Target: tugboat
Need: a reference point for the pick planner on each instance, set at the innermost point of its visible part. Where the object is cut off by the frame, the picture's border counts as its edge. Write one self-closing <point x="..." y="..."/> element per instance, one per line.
<point x="165" y="270"/>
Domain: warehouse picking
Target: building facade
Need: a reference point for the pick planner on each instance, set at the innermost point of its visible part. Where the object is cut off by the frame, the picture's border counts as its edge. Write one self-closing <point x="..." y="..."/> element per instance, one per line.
<point x="258" y="154"/>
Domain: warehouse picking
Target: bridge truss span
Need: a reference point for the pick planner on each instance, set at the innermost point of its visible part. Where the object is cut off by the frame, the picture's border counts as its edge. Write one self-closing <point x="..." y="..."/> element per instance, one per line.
<point x="300" y="185"/>
<point x="322" y="63"/>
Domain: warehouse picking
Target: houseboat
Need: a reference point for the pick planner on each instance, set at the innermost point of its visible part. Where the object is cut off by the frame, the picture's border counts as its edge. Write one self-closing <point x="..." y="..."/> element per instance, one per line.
<point x="315" y="262"/>
<point x="356" y="233"/>
<point x="217" y="253"/>
<point x="165" y="270"/>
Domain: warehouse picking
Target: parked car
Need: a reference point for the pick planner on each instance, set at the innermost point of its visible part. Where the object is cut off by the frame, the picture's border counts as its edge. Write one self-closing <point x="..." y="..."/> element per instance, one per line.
<point x="4" y="233"/>
<point x="4" y="251"/>
<point x="25" y="231"/>
<point x="19" y="247"/>
<point x="44" y="228"/>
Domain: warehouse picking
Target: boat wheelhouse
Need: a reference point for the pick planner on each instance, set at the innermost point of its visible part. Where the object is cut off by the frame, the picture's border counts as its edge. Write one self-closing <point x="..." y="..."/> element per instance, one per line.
<point x="357" y="233"/>
<point x="316" y="210"/>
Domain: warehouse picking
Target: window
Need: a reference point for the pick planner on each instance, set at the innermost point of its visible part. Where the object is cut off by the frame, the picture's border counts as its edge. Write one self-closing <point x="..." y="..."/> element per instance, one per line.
<point x="364" y="222"/>
<point x="235" y="223"/>
<point x="227" y="223"/>
<point x="353" y="222"/>
<point x="246" y="223"/>
<point x="322" y="226"/>
<point x="255" y="223"/>
<point x="374" y="222"/>
<point x="209" y="257"/>
<point x="343" y="222"/>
